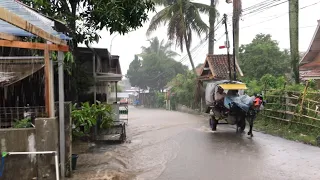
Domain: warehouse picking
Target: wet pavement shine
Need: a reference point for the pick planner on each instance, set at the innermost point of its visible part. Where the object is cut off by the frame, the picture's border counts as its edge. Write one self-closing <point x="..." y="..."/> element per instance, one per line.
<point x="167" y="145"/>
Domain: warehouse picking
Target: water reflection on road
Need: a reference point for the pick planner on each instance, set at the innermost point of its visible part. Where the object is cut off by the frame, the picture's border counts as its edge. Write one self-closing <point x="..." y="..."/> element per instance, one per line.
<point x="171" y="145"/>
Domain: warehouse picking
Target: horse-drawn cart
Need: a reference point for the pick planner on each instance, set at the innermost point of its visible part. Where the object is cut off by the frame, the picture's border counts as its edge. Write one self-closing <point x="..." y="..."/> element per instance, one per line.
<point x="227" y="101"/>
<point x="117" y="131"/>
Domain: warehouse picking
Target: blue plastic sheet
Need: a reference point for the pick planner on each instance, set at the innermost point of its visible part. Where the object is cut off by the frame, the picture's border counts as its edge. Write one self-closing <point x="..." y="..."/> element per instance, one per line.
<point x="243" y="101"/>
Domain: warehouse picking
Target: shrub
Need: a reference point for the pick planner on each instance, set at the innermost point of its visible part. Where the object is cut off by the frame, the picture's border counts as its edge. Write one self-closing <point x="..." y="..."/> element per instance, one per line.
<point x="87" y="116"/>
<point x="23" y="123"/>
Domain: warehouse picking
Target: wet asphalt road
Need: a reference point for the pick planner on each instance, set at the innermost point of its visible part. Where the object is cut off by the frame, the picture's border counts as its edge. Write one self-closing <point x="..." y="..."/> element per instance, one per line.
<point x="164" y="145"/>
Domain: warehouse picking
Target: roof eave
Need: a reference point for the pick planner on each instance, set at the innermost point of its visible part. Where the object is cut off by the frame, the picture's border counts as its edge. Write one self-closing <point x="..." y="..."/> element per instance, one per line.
<point x="310" y="45"/>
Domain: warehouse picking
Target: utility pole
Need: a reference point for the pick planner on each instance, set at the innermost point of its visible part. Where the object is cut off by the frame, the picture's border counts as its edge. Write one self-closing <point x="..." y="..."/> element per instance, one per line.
<point x="236" y="18"/>
<point x="294" y="37"/>
<point x="234" y="56"/>
<point x="227" y="44"/>
<point x="212" y="20"/>
<point x="235" y="26"/>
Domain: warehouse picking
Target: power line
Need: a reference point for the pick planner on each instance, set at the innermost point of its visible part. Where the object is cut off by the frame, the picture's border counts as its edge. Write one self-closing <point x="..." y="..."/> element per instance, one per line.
<point x="280" y="15"/>
<point x="255" y="6"/>
<point x="302" y="27"/>
<point x="258" y="6"/>
<point x="265" y="8"/>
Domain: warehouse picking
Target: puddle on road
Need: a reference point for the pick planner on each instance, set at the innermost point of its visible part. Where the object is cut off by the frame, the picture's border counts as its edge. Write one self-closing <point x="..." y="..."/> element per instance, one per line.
<point x="205" y="129"/>
<point x="144" y="157"/>
<point x="151" y="160"/>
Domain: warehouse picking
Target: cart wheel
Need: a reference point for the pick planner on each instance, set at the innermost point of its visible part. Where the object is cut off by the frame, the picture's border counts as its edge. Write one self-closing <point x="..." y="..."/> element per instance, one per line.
<point x="213" y="123"/>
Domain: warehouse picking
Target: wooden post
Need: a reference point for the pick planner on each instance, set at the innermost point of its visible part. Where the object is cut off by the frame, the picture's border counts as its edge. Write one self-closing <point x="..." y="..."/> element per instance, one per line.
<point x="303" y="98"/>
<point x="51" y="83"/>
<point x="48" y="84"/>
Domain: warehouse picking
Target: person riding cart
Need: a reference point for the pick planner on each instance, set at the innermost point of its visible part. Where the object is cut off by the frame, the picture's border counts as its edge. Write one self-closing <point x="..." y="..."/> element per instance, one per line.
<point x="234" y="106"/>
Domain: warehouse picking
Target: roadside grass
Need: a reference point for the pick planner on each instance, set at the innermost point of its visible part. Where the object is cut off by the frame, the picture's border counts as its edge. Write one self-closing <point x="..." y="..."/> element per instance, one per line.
<point x="291" y="131"/>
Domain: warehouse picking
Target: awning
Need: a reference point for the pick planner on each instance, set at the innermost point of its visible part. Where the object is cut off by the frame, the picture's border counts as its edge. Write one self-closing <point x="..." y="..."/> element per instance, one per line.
<point x="234" y="86"/>
<point x="12" y="73"/>
<point x="108" y="77"/>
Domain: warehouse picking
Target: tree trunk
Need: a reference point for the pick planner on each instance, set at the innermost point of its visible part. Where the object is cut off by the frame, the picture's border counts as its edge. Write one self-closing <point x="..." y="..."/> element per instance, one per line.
<point x="73" y="93"/>
<point x="189" y="53"/>
<point x="294" y="37"/>
<point x="212" y="19"/>
<point x="236" y="17"/>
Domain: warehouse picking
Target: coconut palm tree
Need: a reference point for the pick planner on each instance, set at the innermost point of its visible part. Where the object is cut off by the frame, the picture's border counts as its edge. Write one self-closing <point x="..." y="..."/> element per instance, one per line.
<point x="182" y="18"/>
<point x="213" y="14"/>
<point x="160" y="48"/>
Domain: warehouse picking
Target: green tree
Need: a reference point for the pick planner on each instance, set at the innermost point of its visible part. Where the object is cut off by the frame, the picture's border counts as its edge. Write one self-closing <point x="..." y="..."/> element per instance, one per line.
<point x="158" y="71"/>
<point x="93" y="15"/>
<point x="160" y="48"/>
<point x="84" y="18"/>
<point x="135" y="74"/>
<point x="183" y="88"/>
<point x="263" y="56"/>
<point x="183" y="18"/>
<point x="157" y="67"/>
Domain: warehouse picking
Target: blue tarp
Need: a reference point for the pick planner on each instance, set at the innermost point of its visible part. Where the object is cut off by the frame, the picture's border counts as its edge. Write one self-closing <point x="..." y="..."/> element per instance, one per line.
<point x="243" y="101"/>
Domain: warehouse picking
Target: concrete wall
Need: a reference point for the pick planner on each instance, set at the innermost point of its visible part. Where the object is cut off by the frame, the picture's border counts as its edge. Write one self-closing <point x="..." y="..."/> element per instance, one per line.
<point x="18" y="166"/>
<point x="26" y="167"/>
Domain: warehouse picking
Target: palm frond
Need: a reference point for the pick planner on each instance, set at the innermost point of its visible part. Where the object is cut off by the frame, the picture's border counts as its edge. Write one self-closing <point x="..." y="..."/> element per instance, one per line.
<point x="163" y="2"/>
<point x="172" y="54"/>
<point x="161" y="17"/>
<point x="197" y="24"/>
<point x="203" y="8"/>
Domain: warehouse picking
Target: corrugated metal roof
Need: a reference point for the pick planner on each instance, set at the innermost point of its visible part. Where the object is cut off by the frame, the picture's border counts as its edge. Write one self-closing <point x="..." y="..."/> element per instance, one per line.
<point x="29" y="15"/>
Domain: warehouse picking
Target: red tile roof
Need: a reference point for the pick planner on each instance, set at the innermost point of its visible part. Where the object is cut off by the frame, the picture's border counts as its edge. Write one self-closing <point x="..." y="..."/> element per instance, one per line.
<point x="219" y="66"/>
<point x="313" y="49"/>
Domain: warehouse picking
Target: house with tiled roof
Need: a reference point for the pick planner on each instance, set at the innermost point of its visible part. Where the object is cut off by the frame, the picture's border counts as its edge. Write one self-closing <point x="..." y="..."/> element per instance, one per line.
<point x="310" y="62"/>
<point x="216" y="67"/>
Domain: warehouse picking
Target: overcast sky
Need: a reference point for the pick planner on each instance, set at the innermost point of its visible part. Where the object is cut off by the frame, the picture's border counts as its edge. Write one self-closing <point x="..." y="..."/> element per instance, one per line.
<point x="274" y="21"/>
